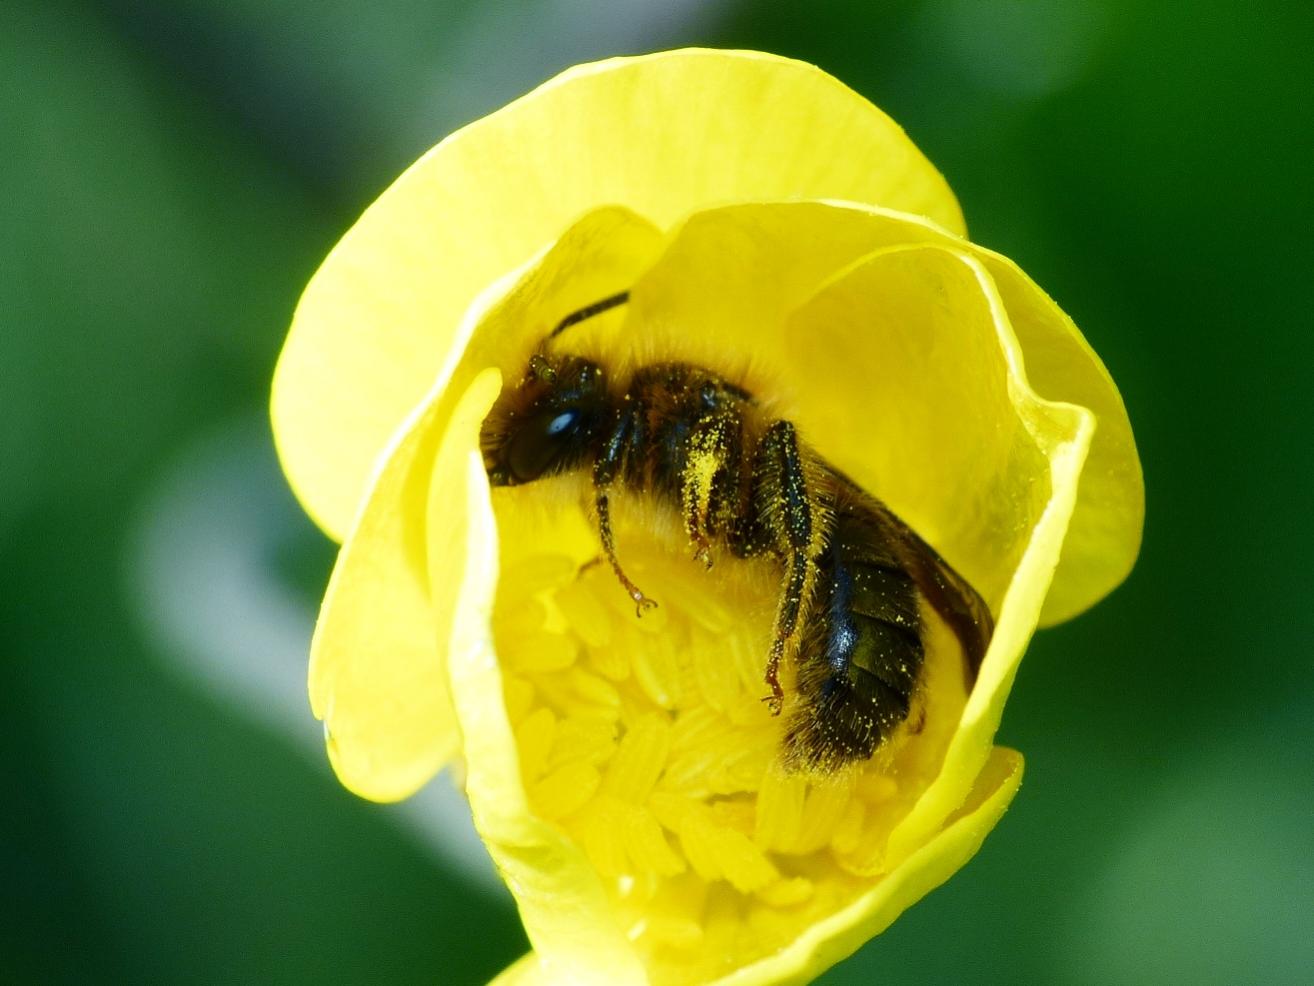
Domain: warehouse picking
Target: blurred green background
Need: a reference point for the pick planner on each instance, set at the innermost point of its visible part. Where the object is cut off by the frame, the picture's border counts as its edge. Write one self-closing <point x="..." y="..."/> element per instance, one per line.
<point x="172" y="173"/>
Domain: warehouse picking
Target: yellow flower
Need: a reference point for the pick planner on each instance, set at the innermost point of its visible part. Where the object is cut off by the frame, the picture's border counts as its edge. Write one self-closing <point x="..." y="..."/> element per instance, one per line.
<point x="772" y="225"/>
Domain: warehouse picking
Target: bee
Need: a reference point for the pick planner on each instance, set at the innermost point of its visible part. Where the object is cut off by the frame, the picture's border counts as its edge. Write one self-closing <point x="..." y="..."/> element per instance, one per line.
<point x="852" y="574"/>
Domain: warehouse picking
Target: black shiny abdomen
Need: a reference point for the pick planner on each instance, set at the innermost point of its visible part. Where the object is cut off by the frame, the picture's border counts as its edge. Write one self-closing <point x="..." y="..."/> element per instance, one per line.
<point x="861" y="650"/>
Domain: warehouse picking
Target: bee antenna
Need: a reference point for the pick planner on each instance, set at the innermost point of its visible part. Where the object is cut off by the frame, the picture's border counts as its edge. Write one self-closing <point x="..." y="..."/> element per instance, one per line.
<point x="588" y="311"/>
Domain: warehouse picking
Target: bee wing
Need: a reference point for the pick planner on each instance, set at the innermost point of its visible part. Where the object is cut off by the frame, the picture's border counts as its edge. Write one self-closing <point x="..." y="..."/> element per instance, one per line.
<point x="951" y="595"/>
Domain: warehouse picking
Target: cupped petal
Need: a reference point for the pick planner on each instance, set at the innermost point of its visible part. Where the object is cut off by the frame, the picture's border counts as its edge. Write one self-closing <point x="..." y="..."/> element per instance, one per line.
<point x="905" y="371"/>
<point x="1064" y="433"/>
<point x="1104" y="535"/>
<point x="380" y="685"/>
<point x="563" y="907"/>
<point x="377" y="671"/>
<point x="925" y="403"/>
<point x="918" y="341"/>
<point x="664" y="135"/>
<point x="726" y="285"/>
<point x="899" y="364"/>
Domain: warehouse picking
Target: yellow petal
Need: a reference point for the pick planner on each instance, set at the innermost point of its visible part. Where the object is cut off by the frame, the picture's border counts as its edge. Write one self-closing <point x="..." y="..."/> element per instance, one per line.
<point x="621" y="777"/>
<point x="922" y="404"/>
<point x="887" y="341"/>
<point x="377" y="673"/>
<point x="928" y="405"/>
<point x="1104" y="535"/>
<point x="730" y="277"/>
<point x="562" y="904"/>
<point x="378" y="677"/>
<point x="1065" y="432"/>
<point x="662" y="134"/>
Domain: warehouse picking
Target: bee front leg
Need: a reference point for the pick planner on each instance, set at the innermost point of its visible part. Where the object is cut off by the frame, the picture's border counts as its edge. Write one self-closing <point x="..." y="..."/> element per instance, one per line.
<point x="784" y="503"/>
<point x="625" y="433"/>
<point x="641" y="602"/>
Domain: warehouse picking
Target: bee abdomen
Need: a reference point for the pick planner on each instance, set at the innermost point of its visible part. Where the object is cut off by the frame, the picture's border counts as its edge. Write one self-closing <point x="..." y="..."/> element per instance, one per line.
<point x="858" y="663"/>
<point x="885" y="594"/>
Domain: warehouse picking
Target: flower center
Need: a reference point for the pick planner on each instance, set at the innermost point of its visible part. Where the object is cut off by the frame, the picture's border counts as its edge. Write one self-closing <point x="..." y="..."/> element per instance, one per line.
<point x="647" y="741"/>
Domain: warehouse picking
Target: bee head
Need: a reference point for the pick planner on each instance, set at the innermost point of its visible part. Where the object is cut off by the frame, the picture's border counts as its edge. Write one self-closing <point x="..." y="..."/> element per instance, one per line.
<point x="548" y="423"/>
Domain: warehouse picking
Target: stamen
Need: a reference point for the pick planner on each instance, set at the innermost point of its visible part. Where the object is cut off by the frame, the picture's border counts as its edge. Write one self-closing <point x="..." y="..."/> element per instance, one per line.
<point x="585" y="614"/>
<point x="849" y="830"/>
<point x="546" y="652"/>
<point x="657" y="670"/>
<point x="779" y="809"/>
<point x="639" y="760"/>
<point x="787" y="893"/>
<point x="646" y="742"/>
<point x="565" y="790"/>
<point x="534" y="737"/>
<point x="583" y="739"/>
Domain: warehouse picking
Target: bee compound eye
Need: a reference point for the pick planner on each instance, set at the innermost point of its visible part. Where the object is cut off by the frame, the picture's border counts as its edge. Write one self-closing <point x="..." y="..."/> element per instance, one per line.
<point x="541" y="443"/>
<point x="562" y="422"/>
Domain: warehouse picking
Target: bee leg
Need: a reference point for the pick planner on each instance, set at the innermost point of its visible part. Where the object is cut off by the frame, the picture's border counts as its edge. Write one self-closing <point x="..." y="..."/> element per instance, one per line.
<point x="641" y="602"/>
<point x="625" y="434"/>
<point x="782" y="502"/>
<point x="707" y="480"/>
